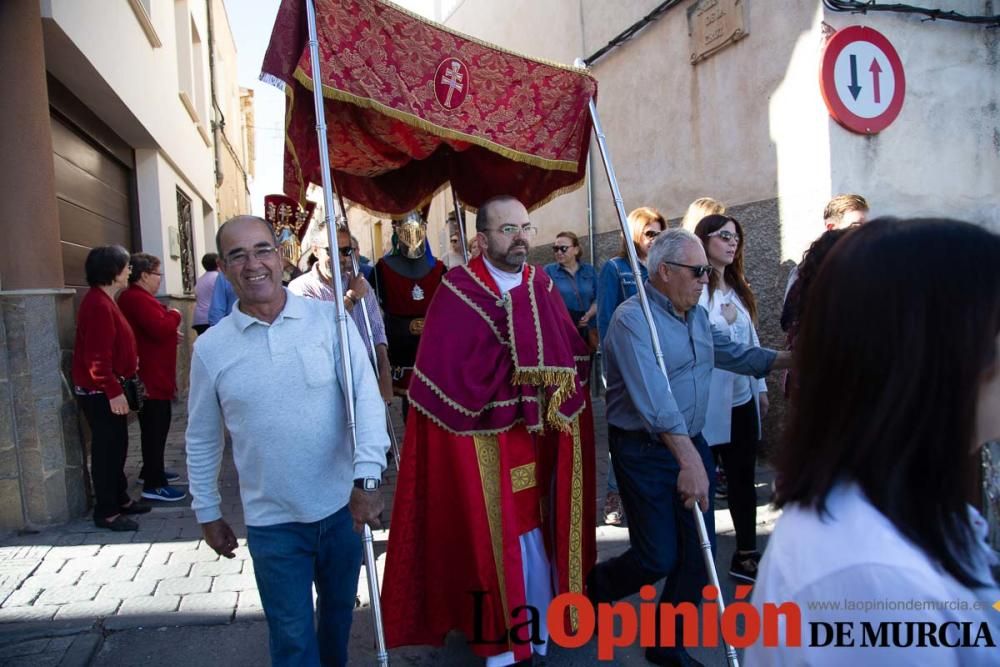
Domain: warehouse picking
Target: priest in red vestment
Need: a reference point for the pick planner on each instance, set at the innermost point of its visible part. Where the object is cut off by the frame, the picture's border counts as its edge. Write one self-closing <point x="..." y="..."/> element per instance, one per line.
<point x="494" y="506"/>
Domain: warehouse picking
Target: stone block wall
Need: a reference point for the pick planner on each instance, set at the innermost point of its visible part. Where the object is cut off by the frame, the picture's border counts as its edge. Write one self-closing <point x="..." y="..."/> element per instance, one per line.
<point x="42" y="466"/>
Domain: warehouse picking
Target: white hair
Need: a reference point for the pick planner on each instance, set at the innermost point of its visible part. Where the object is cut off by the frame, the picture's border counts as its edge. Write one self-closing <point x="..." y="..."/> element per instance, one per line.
<point x="669" y="246"/>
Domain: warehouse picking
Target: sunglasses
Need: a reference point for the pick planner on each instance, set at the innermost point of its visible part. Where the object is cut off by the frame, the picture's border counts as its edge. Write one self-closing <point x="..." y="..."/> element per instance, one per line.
<point x="345" y="251"/>
<point x="650" y="234"/>
<point x="698" y="270"/>
<point x="560" y="248"/>
<point x="726" y="235"/>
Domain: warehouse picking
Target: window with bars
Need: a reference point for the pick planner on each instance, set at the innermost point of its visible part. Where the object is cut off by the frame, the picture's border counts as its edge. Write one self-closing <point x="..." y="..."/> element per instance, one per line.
<point x="186" y="242"/>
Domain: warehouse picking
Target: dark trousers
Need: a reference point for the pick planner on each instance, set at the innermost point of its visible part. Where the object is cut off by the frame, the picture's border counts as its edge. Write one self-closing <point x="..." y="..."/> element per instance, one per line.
<point x="199" y="328"/>
<point x="108" y="449"/>
<point x="664" y="539"/>
<point x="739" y="461"/>
<point x="154" y="423"/>
<point x="287" y="559"/>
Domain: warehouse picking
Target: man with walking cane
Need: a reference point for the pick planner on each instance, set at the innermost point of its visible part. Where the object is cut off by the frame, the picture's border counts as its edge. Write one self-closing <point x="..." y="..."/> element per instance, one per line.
<point x="654" y="429"/>
<point x="304" y="488"/>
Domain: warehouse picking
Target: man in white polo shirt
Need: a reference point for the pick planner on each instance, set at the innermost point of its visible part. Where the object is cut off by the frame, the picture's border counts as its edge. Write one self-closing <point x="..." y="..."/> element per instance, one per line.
<point x="274" y="358"/>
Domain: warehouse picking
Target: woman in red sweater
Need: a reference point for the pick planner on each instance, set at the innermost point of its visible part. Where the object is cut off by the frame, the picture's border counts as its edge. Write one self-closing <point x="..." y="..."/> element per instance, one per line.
<point x="105" y="351"/>
<point x="156" y="333"/>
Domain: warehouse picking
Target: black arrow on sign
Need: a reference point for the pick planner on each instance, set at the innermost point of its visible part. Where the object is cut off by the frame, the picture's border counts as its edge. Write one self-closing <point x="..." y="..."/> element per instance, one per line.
<point x="854" y="87"/>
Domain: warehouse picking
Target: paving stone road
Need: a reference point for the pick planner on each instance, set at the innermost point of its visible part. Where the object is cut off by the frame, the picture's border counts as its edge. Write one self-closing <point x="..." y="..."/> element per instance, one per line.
<point x="78" y="595"/>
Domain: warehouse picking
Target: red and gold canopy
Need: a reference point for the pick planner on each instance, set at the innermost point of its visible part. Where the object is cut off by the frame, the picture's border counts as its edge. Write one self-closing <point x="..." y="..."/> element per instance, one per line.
<point x="411" y="105"/>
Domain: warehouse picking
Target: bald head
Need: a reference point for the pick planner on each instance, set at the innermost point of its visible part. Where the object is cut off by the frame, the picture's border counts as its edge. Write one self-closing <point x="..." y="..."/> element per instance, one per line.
<point x="238" y="221"/>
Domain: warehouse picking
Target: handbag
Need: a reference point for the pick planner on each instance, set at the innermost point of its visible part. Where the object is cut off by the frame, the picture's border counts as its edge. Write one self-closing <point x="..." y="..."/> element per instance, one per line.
<point x="135" y="392"/>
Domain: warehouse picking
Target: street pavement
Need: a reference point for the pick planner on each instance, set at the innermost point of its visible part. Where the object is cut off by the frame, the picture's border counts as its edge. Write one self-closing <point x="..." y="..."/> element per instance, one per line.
<point x="78" y="595"/>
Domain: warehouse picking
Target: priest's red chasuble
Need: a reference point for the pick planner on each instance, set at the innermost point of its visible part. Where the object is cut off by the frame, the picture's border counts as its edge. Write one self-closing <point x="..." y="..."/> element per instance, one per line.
<point x="500" y="442"/>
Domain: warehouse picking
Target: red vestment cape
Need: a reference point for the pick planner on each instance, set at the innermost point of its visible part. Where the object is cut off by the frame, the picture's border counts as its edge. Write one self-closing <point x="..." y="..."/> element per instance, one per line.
<point x="500" y="441"/>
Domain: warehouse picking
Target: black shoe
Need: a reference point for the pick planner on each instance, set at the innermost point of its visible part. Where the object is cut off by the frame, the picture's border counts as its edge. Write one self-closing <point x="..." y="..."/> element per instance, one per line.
<point x="121" y="524"/>
<point x="744" y="566"/>
<point x="135" y="508"/>
<point x="671" y="657"/>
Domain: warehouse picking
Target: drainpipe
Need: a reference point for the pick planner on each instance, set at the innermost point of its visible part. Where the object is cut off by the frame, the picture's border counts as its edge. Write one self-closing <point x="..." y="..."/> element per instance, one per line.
<point x="216" y="124"/>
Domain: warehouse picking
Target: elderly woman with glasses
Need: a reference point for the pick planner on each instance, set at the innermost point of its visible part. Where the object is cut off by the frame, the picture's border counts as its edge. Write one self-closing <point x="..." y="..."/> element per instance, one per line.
<point x="105" y="352"/>
<point x="157" y="336"/>
<point x="577" y="284"/>
<point x="617" y="283"/>
<point x="736" y="403"/>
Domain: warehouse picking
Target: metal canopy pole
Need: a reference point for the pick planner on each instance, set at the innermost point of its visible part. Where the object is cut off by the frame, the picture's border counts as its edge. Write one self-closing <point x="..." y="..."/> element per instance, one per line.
<point x="633" y="258"/>
<point x="341" y="217"/>
<point x="460" y="223"/>
<point x="345" y="358"/>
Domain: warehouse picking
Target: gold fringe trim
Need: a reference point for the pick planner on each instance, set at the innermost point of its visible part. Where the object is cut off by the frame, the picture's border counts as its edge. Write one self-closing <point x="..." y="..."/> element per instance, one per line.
<point x="440" y="26"/>
<point x="562" y="379"/>
<point x="427" y="126"/>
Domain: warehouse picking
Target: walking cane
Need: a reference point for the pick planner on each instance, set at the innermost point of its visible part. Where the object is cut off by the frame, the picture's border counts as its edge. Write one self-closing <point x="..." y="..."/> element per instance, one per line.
<point x="345" y="358"/>
<point x="633" y="259"/>
<point x="341" y="216"/>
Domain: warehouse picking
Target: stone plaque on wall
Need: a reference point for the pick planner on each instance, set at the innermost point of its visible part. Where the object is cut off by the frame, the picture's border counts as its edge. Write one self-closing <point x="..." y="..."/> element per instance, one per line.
<point x="715" y="24"/>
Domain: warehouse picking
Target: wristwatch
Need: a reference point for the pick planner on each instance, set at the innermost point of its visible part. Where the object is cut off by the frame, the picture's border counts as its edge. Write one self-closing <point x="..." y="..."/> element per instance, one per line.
<point x="368" y="484"/>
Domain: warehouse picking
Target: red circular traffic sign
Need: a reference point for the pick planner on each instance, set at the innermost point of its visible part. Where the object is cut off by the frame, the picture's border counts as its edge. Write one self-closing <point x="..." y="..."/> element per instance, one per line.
<point x="862" y="80"/>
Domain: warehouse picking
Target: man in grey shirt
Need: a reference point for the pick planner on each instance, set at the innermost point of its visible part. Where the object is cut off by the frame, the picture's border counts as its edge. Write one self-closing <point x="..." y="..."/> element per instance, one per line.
<point x="274" y="358"/>
<point x="654" y="429"/>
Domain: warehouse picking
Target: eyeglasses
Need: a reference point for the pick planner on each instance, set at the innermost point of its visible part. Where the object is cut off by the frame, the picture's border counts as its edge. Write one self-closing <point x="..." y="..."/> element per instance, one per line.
<point x="454" y="240"/>
<point x="726" y="235"/>
<point x="345" y="251"/>
<point x="650" y="234"/>
<point x="560" y="248"/>
<point x="698" y="270"/>
<point x="510" y="231"/>
<point x="262" y="254"/>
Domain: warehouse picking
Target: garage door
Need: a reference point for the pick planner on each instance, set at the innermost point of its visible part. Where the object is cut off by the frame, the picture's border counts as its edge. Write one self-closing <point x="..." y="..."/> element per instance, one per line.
<point x="93" y="191"/>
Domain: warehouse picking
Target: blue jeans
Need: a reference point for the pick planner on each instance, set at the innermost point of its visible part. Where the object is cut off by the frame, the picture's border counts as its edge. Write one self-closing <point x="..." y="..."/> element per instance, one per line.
<point x="287" y="559"/>
<point x="664" y="539"/>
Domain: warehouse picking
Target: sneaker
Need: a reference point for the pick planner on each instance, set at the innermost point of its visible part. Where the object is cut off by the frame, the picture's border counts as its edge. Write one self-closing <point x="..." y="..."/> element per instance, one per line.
<point x="614" y="513"/>
<point x="165" y="493"/>
<point x="169" y="474"/>
<point x="744" y="566"/>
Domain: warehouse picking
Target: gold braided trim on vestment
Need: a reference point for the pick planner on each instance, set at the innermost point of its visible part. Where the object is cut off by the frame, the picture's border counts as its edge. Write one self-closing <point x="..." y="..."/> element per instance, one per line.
<point x="427" y="126"/>
<point x="488" y="456"/>
<point x="523" y="477"/>
<point x="482" y="313"/>
<point x="531" y="428"/>
<point x="461" y="408"/>
<point x="486" y="288"/>
<point x="534" y="314"/>
<point x="576" y="524"/>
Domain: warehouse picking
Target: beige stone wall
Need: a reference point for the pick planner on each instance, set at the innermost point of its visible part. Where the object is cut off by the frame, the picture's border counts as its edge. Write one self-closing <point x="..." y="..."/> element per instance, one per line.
<point x="42" y="460"/>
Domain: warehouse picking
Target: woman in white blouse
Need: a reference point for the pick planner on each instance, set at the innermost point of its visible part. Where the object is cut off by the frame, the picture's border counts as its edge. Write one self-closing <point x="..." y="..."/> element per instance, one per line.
<point x="735" y="402"/>
<point x="898" y="360"/>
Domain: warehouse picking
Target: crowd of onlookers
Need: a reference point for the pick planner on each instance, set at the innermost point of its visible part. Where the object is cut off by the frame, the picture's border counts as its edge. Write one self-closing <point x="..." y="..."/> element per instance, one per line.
<point x="894" y="387"/>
